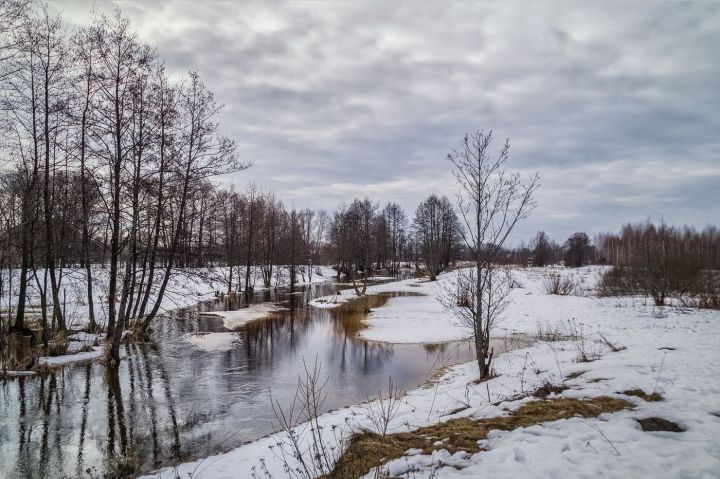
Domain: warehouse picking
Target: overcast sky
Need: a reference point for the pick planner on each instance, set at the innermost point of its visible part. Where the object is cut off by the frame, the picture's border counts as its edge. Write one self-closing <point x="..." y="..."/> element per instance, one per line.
<point x="616" y="105"/>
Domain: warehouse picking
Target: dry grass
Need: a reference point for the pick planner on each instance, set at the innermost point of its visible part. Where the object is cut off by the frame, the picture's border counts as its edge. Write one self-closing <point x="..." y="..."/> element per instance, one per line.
<point x="558" y="284"/>
<point x="654" y="396"/>
<point x="367" y="450"/>
<point x="557" y="331"/>
<point x="547" y="389"/>
<point x="610" y="345"/>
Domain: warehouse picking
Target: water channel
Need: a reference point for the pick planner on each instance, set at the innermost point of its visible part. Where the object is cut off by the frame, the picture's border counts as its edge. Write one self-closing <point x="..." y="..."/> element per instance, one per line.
<point x="187" y="395"/>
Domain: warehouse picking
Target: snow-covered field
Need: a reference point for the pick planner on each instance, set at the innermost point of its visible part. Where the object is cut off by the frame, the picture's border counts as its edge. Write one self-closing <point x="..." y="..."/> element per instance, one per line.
<point x="669" y="350"/>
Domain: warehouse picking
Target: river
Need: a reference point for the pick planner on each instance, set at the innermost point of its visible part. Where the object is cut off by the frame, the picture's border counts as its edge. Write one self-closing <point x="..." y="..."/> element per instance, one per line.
<point x="172" y="401"/>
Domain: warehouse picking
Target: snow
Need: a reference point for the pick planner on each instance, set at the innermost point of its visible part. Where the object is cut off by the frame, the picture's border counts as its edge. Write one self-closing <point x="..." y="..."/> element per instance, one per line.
<point x="414" y="319"/>
<point x="240" y="317"/>
<point x="75" y="346"/>
<point x="671" y="350"/>
<point x="413" y="286"/>
<point x="186" y="287"/>
<point x="72" y="358"/>
<point x="75" y="353"/>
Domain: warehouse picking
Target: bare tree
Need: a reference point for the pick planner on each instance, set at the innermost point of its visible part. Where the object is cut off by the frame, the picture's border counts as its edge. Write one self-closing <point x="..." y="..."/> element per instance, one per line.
<point x="84" y="51"/>
<point x="122" y="58"/>
<point x="51" y="53"/>
<point x="662" y="262"/>
<point x="23" y="105"/>
<point x="541" y="249"/>
<point x="269" y="236"/>
<point x="252" y="217"/>
<point x="351" y="234"/>
<point x="202" y="153"/>
<point x="13" y="13"/>
<point x="491" y="202"/>
<point x="397" y="234"/>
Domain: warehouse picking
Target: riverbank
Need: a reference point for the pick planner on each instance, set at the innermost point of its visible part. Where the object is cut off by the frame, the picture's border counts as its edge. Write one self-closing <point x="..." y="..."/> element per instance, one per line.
<point x="588" y="347"/>
<point x="186" y="288"/>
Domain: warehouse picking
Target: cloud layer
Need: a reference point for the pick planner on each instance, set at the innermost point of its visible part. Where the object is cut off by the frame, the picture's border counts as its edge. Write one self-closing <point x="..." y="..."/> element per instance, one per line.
<point x="615" y="105"/>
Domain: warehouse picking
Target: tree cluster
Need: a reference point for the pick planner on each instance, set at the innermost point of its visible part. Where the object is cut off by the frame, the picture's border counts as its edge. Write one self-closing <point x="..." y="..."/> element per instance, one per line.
<point x="105" y="159"/>
<point x="364" y="238"/>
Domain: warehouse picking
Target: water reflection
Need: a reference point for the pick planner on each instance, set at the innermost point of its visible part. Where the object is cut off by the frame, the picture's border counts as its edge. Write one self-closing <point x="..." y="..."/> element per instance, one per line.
<point x="172" y="400"/>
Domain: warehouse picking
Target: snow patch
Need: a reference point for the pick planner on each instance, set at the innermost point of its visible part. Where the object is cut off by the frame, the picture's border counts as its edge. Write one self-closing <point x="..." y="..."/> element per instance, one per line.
<point x="240" y="317"/>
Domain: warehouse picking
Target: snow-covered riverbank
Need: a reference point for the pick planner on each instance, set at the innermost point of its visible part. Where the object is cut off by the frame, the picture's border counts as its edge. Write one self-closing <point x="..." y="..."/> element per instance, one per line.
<point x="668" y="350"/>
<point x="186" y="287"/>
<point x="417" y="318"/>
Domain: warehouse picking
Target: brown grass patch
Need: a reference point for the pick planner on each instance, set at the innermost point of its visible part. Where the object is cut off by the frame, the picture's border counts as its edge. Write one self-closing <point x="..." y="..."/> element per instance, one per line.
<point x="575" y="375"/>
<point x="367" y="450"/>
<point x="655" y="396"/>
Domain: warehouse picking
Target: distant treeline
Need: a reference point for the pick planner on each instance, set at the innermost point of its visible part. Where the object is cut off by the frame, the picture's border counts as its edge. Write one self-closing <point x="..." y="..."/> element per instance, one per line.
<point x="665" y="262"/>
<point x="655" y="260"/>
<point x="624" y="248"/>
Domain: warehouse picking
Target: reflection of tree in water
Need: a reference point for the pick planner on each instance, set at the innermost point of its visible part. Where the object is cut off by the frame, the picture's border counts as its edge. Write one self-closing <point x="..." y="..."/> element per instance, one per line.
<point x="152" y="374"/>
<point x="435" y="348"/>
<point x="264" y="342"/>
<point x="169" y="393"/>
<point x="60" y="412"/>
<point x="83" y="422"/>
<point x="38" y="401"/>
<point x="115" y="413"/>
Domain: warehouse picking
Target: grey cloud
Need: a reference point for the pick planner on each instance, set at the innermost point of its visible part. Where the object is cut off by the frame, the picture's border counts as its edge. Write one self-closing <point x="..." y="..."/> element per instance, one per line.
<point x="332" y="100"/>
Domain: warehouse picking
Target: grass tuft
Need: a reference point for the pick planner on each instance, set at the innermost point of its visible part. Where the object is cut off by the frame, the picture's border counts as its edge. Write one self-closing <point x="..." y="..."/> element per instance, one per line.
<point x="654" y="396"/>
<point x="367" y="450"/>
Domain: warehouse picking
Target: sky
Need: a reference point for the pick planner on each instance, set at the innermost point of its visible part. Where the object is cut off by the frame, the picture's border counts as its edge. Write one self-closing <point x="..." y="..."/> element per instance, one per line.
<point x="615" y="105"/>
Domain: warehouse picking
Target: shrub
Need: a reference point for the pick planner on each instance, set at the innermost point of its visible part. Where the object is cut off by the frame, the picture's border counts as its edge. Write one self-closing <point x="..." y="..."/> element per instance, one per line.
<point x="559" y="284"/>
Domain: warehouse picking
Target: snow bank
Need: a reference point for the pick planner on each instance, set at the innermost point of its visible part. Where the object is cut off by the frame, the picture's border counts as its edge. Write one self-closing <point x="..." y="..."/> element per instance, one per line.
<point x="96" y="352"/>
<point x="187" y="287"/>
<point x="240" y="317"/>
<point x="420" y="318"/>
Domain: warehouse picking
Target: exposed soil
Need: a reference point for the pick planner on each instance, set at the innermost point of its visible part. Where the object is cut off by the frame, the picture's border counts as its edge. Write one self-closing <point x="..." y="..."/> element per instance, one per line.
<point x="651" y="424"/>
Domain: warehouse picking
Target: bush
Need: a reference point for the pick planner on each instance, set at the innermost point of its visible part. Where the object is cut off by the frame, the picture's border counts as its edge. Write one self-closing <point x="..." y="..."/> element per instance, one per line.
<point x="691" y="286"/>
<point x="560" y="285"/>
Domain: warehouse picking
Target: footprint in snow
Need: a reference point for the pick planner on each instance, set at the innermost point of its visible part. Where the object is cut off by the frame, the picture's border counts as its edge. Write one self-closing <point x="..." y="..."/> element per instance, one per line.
<point x="520" y="456"/>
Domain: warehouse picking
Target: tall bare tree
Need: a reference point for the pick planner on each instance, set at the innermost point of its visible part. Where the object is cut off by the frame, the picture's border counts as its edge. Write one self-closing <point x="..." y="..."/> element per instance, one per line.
<point x="203" y="153"/>
<point x="491" y="202"/>
<point x="51" y="53"/>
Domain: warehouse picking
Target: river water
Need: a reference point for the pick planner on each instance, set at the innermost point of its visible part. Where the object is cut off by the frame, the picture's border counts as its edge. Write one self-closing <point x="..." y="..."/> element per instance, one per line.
<point x="172" y="401"/>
